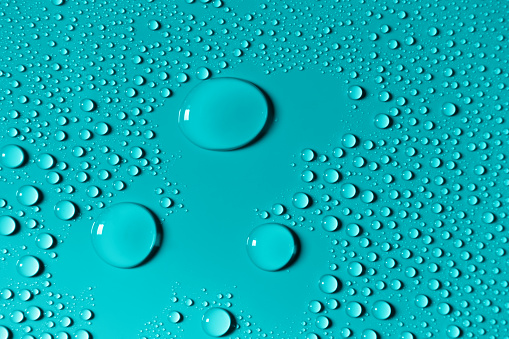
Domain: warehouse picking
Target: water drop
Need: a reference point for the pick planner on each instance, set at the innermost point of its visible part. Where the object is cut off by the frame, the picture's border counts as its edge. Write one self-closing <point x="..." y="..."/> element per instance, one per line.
<point x="217" y="321"/>
<point x="12" y="156"/>
<point x="271" y="247"/>
<point x="223" y="114"/>
<point x="28" y="195"/>
<point x="8" y="225"/>
<point x="125" y="235"/>
<point x="65" y="210"/>
<point x="28" y="266"/>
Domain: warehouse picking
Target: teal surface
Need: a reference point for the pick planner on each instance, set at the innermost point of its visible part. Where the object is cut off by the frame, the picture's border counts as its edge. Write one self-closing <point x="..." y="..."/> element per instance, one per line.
<point x="374" y="133"/>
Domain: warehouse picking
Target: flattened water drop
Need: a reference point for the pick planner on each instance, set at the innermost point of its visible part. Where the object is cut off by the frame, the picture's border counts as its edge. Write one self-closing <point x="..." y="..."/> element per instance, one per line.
<point x="125" y="235"/>
<point x="271" y="246"/>
<point x="223" y="114"/>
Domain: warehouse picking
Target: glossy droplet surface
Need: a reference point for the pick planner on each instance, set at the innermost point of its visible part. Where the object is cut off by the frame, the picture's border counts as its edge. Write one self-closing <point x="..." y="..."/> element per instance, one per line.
<point x="8" y="225"/>
<point x="271" y="246"/>
<point x="12" y="156"/>
<point x="4" y="333"/>
<point x="329" y="284"/>
<point x="28" y="195"/>
<point x="125" y="235"/>
<point x="28" y="266"/>
<point x="223" y="114"/>
<point x="381" y="310"/>
<point x="65" y="210"/>
<point x="216" y="322"/>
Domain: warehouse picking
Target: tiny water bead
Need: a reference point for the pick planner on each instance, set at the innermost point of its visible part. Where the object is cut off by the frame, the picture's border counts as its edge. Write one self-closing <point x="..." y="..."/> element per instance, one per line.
<point x="355" y="92"/>
<point x="217" y="322"/>
<point x="301" y="200"/>
<point x="329" y="284"/>
<point x="28" y="195"/>
<point x="12" y="156"/>
<point x="28" y="266"/>
<point x="125" y="235"/>
<point x="8" y="225"/>
<point x="271" y="247"/>
<point x="449" y="109"/>
<point x="381" y="310"/>
<point x="65" y="210"/>
<point x="223" y="114"/>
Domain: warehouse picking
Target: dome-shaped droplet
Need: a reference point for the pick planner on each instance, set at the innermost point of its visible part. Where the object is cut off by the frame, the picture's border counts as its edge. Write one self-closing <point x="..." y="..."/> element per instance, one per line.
<point x="12" y="156"/>
<point x="125" y="235"/>
<point x="301" y="200"/>
<point x="28" y="195"/>
<point x="8" y="225"/>
<point x="216" y="322"/>
<point x="329" y="284"/>
<point x="449" y="109"/>
<point x="28" y="266"/>
<point x="271" y="246"/>
<point x="223" y="114"/>
<point x="88" y="105"/>
<point x="355" y="92"/>
<point x="381" y="310"/>
<point x="65" y="210"/>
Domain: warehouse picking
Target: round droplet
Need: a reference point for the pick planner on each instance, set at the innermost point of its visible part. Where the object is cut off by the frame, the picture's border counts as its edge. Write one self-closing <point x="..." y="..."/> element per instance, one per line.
<point x="449" y="109"/>
<point x="45" y="241"/>
<point x="28" y="266"/>
<point x="216" y="322"/>
<point x="5" y="333"/>
<point x="8" y="225"/>
<point x="154" y="25"/>
<point x="330" y="223"/>
<point x="175" y="317"/>
<point x="203" y="73"/>
<point x="381" y="310"/>
<point x="87" y="105"/>
<point x="329" y="284"/>
<point x="354" y="309"/>
<point x="12" y="156"/>
<point x="367" y="196"/>
<point x="223" y="114"/>
<point x="349" y="140"/>
<point x="28" y="195"/>
<point x="34" y="313"/>
<point x="382" y="121"/>
<point x="125" y="235"/>
<point x="65" y="210"/>
<point x="348" y="191"/>
<point x="331" y="176"/>
<point x="301" y="200"/>
<point x="355" y="269"/>
<point x="355" y="92"/>
<point x="369" y="334"/>
<point x="421" y="300"/>
<point x="45" y="161"/>
<point x="453" y="331"/>
<point x="271" y="247"/>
